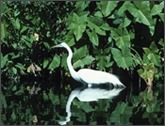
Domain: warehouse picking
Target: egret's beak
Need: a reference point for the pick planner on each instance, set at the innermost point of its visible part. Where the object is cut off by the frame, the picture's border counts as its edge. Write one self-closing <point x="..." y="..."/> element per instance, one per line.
<point x="56" y="46"/>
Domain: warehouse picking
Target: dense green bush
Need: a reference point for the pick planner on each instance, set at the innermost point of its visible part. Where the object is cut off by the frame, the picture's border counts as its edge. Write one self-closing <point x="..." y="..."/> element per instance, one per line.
<point x="105" y="35"/>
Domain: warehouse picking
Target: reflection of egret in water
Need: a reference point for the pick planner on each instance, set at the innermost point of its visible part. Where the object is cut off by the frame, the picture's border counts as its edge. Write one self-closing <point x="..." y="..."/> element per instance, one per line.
<point x="89" y="94"/>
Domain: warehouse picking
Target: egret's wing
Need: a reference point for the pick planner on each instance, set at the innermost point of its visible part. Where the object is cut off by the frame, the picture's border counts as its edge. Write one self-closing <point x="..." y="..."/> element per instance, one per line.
<point x="97" y="77"/>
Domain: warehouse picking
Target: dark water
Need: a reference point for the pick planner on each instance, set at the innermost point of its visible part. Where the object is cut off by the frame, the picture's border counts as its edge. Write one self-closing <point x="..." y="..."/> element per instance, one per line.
<point x="90" y="94"/>
<point x="58" y="85"/>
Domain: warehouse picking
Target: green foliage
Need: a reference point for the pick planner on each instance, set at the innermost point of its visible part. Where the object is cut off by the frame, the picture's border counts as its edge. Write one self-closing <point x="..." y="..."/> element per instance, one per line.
<point x="53" y="98"/>
<point x="142" y="12"/>
<point x="123" y="58"/>
<point x="121" y="114"/>
<point x="150" y="106"/>
<point x="77" y="24"/>
<point x="151" y="63"/>
<point x="102" y="35"/>
<point x="55" y="62"/>
<point x="86" y="107"/>
<point x="81" y="57"/>
<point x="4" y="60"/>
<point x="106" y="7"/>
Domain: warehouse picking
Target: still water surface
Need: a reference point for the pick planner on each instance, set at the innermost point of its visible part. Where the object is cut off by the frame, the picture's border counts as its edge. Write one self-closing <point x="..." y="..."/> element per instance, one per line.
<point x="65" y="111"/>
<point x="90" y="94"/>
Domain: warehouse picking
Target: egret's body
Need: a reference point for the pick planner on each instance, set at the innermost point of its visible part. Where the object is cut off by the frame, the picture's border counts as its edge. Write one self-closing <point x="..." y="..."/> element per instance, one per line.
<point x="89" y="76"/>
<point x="97" y="77"/>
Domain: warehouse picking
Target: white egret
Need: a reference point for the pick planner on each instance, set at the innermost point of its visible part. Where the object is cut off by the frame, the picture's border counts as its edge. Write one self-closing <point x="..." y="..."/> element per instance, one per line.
<point x="89" y="76"/>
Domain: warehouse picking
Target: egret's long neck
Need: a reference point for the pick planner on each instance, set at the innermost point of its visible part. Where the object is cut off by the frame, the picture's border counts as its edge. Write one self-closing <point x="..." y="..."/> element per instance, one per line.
<point x="69" y="62"/>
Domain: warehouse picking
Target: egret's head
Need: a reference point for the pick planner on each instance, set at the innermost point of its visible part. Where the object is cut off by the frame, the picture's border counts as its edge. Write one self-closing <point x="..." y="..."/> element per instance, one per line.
<point x="63" y="44"/>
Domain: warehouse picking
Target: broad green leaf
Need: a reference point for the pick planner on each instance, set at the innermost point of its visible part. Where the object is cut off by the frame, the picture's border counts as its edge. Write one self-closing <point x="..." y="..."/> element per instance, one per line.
<point x="14" y="56"/>
<point x="45" y="63"/>
<point x="122" y="37"/>
<point x="64" y="61"/>
<point x="77" y="24"/>
<point x="3" y="101"/>
<point x="142" y="13"/>
<point x="100" y="32"/>
<point x="98" y="14"/>
<point x="17" y="24"/>
<point x="13" y="116"/>
<point x="105" y="27"/>
<point x="27" y="40"/>
<point x="123" y="59"/>
<point x="154" y="58"/>
<point x="151" y="57"/>
<point x="20" y="66"/>
<point x="16" y="13"/>
<point x="78" y="64"/>
<point x="78" y="31"/>
<point x="147" y="71"/>
<point x="46" y="44"/>
<point x="80" y="53"/>
<point x="101" y="62"/>
<point x="157" y="9"/>
<point x="107" y="7"/>
<point x="83" y="17"/>
<point x="94" y="23"/>
<point x="14" y="70"/>
<point x="24" y="28"/>
<point x="4" y="8"/>
<point x="87" y="60"/>
<point x="93" y="37"/>
<point x="69" y="38"/>
<point x="123" y="8"/>
<point x="14" y="88"/>
<point x="55" y="63"/>
<point x="81" y="5"/>
<point x="126" y="22"/>
<point x="3" y="31"/>
<point x="153" y="47"/>
<point x="4" y="60"/>
<point x="84" y="61"/>
<point x="142" y="18"/>
<point x="161" y="42"/>
<point x="161" y="15"/>
<point x="19" y="92"/>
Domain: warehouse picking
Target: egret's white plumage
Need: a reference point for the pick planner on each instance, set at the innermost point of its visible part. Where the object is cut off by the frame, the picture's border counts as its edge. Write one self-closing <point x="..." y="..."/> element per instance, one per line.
<point x="89" y="76"/>
<point x="97" y="77"/>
